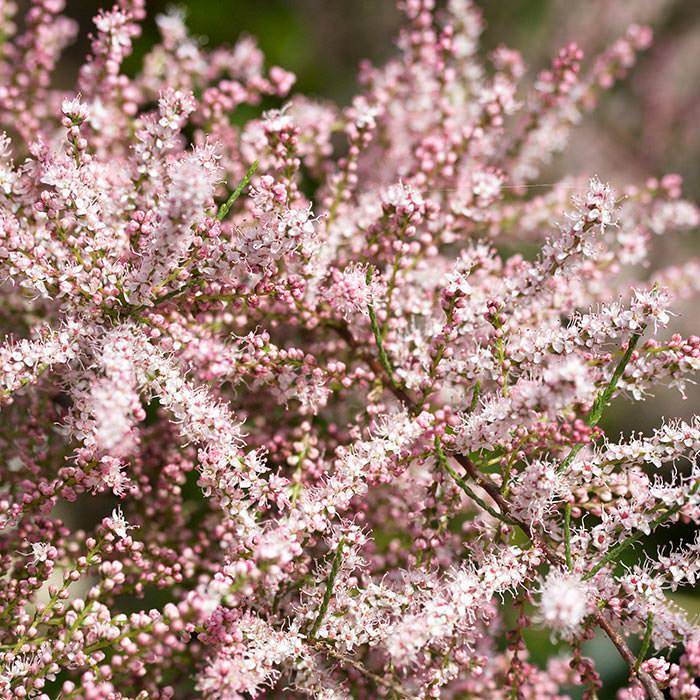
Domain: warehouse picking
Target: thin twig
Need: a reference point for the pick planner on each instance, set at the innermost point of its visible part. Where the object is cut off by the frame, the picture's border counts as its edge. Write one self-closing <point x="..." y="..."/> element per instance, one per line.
<point x="226" y="206"/>
<point x="603" y="398"/>
<point x="614" y="554"/>
<point x="495" y="494"/>
<point x="567" y="536"/>
<point x="444" y="463"/>
<point x="647" y="681"/>
<point x="475" y="397"/>
<point x="646" y="642"/>
<point x="325" y="648"/>
<point x="399" y="392"/>
<point x="328" y="593"/>
<point x="379" y="340"/>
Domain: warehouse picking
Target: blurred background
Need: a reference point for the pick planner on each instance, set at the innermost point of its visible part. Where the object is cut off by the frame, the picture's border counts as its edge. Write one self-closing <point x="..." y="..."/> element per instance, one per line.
<point x="646" y="126"/>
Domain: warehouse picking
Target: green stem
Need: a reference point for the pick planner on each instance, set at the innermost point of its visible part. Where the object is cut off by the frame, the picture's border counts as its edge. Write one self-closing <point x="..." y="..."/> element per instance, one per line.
<point x="567" y="536"/>
<point x="328" y="593"/>
<point x="603" y="398"/>
<point x="616" y="551"/>
<point x="646" y="642"/>
<point x="475" y="397"/>
<point x="444" y="463"/>
<point x="41" y="616"/>
<point x="383" y="357"/>
<point x="226" y="206"/>
<point x="390" y="293"/>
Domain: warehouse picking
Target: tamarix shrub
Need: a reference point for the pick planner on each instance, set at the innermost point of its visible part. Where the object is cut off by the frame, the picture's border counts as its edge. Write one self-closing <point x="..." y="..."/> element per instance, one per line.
<point x="311" y="407"/>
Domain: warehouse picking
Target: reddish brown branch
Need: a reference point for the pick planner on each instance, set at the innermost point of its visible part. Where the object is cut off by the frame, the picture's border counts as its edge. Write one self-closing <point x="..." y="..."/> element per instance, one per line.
<point x="494" y="493"/>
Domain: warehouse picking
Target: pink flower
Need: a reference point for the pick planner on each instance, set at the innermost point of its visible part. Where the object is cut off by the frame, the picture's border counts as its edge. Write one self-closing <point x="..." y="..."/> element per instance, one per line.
<point x="347" y="367"/>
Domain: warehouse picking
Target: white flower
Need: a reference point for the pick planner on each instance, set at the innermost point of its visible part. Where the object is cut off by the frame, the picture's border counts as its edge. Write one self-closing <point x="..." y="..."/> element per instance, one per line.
<point x="117" y="523"/>
<point x="565" y="601"/>
<point x="17" y="668"/>
<point x="75" y="110"/>
<point x="39" y="553"/>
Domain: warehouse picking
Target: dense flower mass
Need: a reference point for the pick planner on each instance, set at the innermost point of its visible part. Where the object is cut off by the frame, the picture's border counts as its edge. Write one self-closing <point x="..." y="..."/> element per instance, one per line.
<point x="311" y="406"/>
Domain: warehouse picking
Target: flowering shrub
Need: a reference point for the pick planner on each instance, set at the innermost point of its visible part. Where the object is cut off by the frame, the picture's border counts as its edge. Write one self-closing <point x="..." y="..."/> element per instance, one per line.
<point x="325" y="389"/>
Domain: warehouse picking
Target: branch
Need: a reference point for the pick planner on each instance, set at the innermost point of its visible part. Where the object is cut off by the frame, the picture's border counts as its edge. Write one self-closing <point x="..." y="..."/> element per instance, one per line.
<point x="399" y="392"/>
<point x="360" y="668"/>
<point x="379" y="340"/>
<point x="226" y="206"/>
<point x="567" y="536"/>
<point x="617" y="550"/>
<point x="328" y="593"/>
<point x="603" y="398"/>
<point x="493" y="491"/>
<point x="646" y="641"/>
<point x="647" y="681"/>
<point x="444" y="463"/>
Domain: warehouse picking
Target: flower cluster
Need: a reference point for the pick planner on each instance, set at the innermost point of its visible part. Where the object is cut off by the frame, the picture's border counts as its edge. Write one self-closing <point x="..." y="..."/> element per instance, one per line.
<point x="285" y="414"/>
